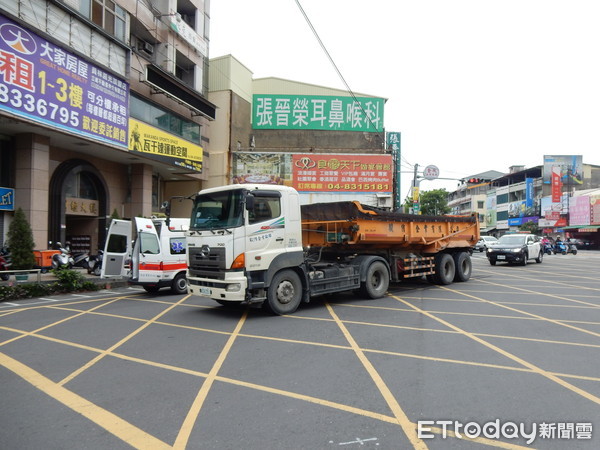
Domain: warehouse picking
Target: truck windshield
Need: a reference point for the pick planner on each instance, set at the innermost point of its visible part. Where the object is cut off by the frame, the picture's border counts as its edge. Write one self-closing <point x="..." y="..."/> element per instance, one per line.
<point x="218" y="210"/>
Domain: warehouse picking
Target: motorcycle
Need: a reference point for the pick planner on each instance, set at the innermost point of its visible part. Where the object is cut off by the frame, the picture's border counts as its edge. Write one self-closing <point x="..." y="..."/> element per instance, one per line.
<point x="81" y="260"/>
<point x="560" y="247"/>
<point x="95" y="263"/>
<point x="64" y="259"/>
<point x="5" y="263"/>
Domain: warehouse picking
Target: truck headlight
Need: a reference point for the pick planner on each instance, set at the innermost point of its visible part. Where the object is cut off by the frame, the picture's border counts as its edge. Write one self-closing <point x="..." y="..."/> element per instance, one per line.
<point x="235" y="287"/>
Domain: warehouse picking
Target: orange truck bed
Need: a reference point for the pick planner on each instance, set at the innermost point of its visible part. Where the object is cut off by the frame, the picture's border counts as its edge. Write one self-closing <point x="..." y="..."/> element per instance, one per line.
<point x="354" y="224"/>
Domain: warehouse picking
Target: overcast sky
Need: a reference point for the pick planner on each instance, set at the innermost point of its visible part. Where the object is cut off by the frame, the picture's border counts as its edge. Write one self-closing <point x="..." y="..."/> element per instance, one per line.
<point x="472" y="85"/>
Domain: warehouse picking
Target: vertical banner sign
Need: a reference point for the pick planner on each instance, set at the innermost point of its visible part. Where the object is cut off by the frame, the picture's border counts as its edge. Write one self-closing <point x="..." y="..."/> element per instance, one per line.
<point x="529" y="192"/>
<point x="42" y="82"/>
<point x="393" y="144"/>
<point x="556" y="184"/>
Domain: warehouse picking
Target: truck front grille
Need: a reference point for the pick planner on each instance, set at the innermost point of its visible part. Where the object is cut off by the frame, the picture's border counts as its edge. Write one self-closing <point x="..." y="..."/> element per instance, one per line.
<point x="207" y="262"/>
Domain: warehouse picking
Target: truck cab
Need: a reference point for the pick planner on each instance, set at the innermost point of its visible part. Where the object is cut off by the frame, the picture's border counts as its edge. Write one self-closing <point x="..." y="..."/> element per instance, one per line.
<point x="155" y="259"/>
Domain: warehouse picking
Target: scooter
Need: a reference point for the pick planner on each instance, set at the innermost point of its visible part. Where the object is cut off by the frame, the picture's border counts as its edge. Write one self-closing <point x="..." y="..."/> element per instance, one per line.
<point x="5" y="263"/>
<point x="548" y="248"/>
<point x="64" y="259"/>
<point x="572" y="248"/>
<point x="81" y="260"/>
<point x="95" y="263"/>
<point x="560" y="247"/>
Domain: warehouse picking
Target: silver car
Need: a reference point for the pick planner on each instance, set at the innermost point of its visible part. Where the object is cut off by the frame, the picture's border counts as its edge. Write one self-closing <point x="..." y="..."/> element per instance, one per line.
<point x="484" y="242"/>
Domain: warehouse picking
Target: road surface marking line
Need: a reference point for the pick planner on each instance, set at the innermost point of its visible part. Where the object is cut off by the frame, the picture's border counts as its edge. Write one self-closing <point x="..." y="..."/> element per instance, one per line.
<point x="531" y="315"/>
<point x="533" y="367"/>
<point x="117" y="345"/>
<point x="188" y="424"/>
<point x="110" y="422"/>
<point x="55" y="323"/>
<point x="401" y="417"/>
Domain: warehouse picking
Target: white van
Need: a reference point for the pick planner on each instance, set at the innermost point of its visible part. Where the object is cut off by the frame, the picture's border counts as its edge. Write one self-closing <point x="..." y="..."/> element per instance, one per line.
<point x="157" y="258"/>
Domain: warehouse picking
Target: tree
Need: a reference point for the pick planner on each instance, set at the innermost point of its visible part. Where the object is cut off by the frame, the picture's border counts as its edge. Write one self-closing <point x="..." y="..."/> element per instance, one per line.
<point x="530" y="226"/>
<point x="20" y="242"/>
<point x="434" y="202"/>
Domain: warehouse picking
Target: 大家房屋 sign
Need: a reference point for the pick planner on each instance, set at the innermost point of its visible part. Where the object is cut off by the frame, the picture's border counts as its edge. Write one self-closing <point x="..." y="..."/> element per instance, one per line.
<point x="42" y="82"/>
<point x="317" y="112"/>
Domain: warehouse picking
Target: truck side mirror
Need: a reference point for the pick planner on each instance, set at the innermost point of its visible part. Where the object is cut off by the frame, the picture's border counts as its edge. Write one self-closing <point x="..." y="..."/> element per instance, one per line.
<point x="249" y="202"/>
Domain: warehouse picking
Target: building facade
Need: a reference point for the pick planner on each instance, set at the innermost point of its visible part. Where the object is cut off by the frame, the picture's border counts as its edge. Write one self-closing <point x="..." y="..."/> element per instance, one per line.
<point x="103" y="110"/>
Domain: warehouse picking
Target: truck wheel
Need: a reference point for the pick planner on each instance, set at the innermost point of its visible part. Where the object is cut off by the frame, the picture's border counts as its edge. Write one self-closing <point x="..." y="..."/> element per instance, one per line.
<point x="377" y="281"/>
<point x="285" y="293"/>
<point x="179" y="285"/>
<point x="463" y="266"/>
<point x="444" y="269"/>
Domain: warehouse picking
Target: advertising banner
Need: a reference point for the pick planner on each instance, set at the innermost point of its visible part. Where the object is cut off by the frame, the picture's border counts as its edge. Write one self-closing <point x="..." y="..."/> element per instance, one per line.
<point x="315" y="172"/>
<point x="351" y="173"/>
<point x="569" y="168"/>
<point x="317" y="112"/>
<point x="42" y="82"/>
<point x="165" y="147"/>
<point x="556" y="184"/>
<point x="579" y="210"/>
<point x="529" y="192"/>
<point x="595" y="210"/>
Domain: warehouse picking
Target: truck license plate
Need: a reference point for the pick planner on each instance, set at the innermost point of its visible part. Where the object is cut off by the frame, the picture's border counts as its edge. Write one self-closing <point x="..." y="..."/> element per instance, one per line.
<point x="205" y="290"/>
<point x="501" y="257"/>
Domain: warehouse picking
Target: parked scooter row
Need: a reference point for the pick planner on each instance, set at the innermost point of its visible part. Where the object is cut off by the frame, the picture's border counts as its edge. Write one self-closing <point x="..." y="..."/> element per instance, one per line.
<point x="67" y="260"/>
<point x="5" y="263"/>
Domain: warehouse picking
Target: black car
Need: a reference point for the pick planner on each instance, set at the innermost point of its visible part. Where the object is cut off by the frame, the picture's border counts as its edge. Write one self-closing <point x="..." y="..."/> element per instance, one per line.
<point x="516" y="248"/>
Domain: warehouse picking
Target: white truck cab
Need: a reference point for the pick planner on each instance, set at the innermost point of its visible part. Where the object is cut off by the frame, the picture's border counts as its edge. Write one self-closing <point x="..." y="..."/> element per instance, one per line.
<point x="157" y="257"/>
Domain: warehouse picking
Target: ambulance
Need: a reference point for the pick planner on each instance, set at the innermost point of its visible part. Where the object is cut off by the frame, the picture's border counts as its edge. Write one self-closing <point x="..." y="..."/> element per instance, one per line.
<point x="155" y="259"/>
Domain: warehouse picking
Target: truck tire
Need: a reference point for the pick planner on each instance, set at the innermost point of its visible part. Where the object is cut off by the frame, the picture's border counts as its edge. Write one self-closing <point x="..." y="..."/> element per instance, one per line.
<point x="377" y="281"/>
<point x="284" y="293"/>
<point x="444" y="269"/>
<point x="463" y="266"/>
<point x="179" y="285"/>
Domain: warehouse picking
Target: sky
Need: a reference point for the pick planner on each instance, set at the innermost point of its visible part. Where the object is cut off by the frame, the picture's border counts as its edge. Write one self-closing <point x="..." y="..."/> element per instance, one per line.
<point x="472" y="85"/>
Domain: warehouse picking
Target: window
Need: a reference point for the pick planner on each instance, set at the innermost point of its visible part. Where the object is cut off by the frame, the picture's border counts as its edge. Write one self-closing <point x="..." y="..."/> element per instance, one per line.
<point x="109" y="16"/>
<point x="480" y="204"/>
<point x="265" y="208"/>
<point x="149" y="244"/>
<point x="80" y="185"/>
<point x="117" y="243"/>
<point x="163" y="119"/>
<point x="502" y="215"/>
<point x="502" y="198"/>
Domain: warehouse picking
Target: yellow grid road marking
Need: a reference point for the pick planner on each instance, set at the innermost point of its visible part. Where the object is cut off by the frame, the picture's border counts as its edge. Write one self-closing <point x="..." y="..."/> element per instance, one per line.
<point x="114" y="424"/>
<point x="515" y="358"/>
<point x="407" y="426"/>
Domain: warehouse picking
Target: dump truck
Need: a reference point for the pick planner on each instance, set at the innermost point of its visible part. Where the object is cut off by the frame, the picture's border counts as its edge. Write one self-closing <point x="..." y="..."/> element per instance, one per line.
<point x="255" y="244"/>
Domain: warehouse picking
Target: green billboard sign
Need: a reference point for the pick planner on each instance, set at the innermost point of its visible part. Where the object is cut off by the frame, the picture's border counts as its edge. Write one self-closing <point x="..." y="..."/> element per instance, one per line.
<point x="317" y="112"/>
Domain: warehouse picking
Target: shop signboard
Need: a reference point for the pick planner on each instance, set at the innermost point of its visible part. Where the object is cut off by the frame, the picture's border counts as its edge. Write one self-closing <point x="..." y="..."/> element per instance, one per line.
<point x="41" y="82"/>
<point x="165" y="147"/>
<point x="81" y="207"/>
<point x="327" y="172"/>
<point x="317" y="112"/>
<point x="7" y="199"/>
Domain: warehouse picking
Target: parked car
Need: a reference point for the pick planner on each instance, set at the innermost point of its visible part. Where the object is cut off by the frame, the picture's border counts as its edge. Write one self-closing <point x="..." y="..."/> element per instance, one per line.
<point x="484" y="241"/>
<point x="516" y="248"/>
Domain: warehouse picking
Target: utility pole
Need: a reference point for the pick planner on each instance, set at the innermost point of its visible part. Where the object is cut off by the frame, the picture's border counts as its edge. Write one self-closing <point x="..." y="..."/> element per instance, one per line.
<point x="416" y="207"/>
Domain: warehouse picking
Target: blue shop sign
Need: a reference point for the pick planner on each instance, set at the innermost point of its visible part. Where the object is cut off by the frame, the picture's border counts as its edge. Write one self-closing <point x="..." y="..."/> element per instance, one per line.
<point x="7" y="199"/>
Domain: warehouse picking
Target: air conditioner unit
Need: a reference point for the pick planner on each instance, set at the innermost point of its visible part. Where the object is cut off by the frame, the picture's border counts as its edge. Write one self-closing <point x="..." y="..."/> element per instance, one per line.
<point x="145" y="47"/>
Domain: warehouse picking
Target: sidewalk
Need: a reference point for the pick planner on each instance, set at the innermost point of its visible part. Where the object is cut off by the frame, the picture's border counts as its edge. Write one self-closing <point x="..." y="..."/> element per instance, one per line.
<point x="48" y="277"/>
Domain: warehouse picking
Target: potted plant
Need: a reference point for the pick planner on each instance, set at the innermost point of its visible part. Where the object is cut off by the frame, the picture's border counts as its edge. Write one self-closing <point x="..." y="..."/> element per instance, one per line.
<point x="20" y="244"/>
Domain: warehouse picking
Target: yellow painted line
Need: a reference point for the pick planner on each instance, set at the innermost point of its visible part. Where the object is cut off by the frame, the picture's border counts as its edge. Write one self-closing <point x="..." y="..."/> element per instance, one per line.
<point x="515" y="358"/>
<point x="118" y="344"/>
<point x="112" y="423"/>
<point x="407" y="426"/>
<point x="563" y="323"/>
<point x="57" y="322"/>
<point x="188" y="424"/>
<point x="549" y="281"/>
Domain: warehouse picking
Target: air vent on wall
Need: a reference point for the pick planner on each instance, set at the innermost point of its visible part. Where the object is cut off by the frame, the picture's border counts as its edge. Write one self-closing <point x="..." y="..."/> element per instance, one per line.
<point x="145" y="47"/>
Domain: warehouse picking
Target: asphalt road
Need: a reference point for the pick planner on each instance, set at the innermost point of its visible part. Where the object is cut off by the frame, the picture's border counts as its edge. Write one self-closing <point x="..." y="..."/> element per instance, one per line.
<point x="513" y="347"/>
